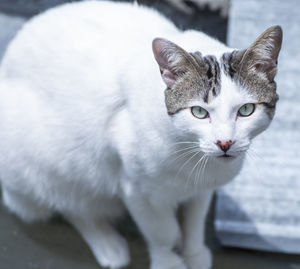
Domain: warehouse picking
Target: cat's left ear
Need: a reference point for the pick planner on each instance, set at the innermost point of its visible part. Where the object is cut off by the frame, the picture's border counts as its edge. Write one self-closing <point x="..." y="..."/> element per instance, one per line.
<point x="172" y="60"/>
<point x="263" y="53"/>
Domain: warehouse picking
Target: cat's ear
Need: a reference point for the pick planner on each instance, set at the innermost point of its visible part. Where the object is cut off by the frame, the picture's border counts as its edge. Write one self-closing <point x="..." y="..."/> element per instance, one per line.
<point x="262" y="55"/>
<point x="170" y="58"/>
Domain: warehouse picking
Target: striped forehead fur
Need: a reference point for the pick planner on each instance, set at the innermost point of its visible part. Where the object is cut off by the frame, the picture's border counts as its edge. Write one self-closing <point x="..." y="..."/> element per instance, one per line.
<point x="211" y="74"/>
<point x="201" y="80"/>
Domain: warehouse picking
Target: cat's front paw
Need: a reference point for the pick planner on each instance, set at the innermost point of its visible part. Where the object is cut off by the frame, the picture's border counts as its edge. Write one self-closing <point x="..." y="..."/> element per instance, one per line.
<point x="200" y="259"/>
<point x="166" y="259"/>
<point x="113" y="253"/>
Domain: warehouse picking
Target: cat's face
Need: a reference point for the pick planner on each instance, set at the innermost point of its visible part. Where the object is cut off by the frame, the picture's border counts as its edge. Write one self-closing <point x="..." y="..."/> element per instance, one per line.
<point x="222" y="102"/>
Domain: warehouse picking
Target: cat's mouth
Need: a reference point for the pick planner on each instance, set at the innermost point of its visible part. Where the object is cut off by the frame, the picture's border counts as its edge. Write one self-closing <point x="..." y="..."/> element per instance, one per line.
<point x="226" y="157"/>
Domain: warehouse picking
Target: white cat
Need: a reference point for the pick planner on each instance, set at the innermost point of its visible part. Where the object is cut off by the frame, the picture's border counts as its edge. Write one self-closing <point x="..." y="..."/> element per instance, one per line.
<point x="87" y="126"/>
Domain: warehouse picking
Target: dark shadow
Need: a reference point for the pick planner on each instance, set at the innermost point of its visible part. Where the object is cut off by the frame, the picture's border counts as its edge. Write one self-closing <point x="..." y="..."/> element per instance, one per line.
<point x="205" y="20"/>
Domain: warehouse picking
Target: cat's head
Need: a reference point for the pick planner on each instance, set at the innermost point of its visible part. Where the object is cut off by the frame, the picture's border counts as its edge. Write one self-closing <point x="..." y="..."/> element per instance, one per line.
<point x="223" y="102"/>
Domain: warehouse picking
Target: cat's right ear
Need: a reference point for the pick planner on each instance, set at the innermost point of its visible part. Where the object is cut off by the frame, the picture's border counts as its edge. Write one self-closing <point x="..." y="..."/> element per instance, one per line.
<point x="168" y="56"/>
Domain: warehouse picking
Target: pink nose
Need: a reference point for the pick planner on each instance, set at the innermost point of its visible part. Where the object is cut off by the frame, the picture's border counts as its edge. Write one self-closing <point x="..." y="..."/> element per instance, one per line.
<point x="224" y="145"/>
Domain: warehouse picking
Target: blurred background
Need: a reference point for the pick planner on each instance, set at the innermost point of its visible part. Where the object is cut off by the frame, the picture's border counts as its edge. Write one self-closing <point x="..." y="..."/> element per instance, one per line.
<point x="254" y="222"/>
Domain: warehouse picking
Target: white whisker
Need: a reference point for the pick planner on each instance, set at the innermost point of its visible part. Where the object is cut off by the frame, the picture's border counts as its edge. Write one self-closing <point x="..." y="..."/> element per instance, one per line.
<point x="180" y="150"/>
<point x="183" y="154"/>
<point x="195" y="167"/>
<point x="200" y="170"/>
<point x="185" y="142"/>
<point x="184" y="164"/>
<point x="203" y="171"/>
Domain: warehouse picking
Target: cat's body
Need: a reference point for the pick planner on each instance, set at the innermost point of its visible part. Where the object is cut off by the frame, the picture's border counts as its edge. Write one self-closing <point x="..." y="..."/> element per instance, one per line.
<point x="102" y="102"/>
<point x="84" y="129"/>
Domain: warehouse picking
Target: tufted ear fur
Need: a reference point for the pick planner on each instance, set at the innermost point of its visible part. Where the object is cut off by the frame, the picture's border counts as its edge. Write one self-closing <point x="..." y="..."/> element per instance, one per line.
<point x="262" y="55"/>
<point x="172" y="60"/>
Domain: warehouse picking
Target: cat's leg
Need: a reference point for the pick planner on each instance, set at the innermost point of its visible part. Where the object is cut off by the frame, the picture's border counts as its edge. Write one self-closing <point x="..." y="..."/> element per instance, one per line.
<point x="196" y="254"/>
<point x="108" y="246"/>
<point x="24" y="206"/>
<point x="159" y="226"/>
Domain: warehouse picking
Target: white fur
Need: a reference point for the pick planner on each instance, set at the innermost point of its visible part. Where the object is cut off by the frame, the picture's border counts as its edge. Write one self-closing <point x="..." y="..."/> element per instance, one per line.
<point x="84" y="130"/>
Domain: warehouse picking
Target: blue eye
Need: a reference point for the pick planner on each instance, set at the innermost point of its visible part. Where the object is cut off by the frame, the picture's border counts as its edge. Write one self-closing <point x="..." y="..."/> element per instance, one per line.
<point x="199" y="112"/>
<point x="246" y="110"/>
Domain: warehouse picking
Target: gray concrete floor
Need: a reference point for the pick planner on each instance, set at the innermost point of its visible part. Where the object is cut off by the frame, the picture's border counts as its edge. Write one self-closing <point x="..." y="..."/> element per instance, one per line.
<point x="56" y="245"/>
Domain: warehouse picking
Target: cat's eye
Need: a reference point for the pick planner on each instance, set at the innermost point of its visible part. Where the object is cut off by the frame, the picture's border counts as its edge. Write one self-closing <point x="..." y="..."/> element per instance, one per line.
<point x="246" y="110"/>
<point x="199" y="112"/>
